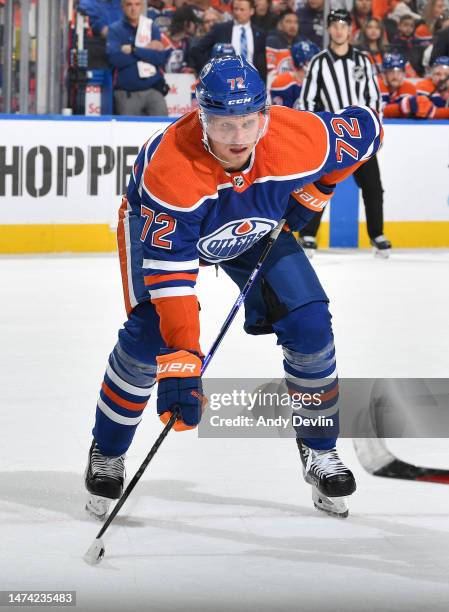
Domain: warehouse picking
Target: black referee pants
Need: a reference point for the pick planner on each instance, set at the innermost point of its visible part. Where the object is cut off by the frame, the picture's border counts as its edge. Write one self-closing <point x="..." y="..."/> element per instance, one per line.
<point x="367" y="178"/>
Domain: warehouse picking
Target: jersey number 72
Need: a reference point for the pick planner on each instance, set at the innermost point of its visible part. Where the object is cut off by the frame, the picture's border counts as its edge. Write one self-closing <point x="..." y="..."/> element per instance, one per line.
<point x="352" y="129"/>
<point x="158" y="238"/>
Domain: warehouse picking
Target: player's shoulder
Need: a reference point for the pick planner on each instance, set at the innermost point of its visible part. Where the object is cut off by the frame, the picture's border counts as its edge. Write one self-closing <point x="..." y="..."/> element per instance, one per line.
<point x="296" y="142"/>
<point x="407" y="87"/>
<point x="181" y="174"/>
<point x="282" y="80"/>
<point x="425" y="85"/>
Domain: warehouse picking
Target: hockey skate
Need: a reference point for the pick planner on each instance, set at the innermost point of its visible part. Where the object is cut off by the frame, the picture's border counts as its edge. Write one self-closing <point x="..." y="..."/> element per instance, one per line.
<point x="331" y="480"/>
<point x="104" y="480"/>
<point x="381" y="247"/>
<point x="309" y="245"/>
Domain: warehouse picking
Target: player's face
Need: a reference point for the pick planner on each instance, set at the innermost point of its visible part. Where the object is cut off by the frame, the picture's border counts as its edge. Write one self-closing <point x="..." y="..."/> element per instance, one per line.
<point x="440" y="74"/>
<point x="339" y="32"/>
<point x="232" y="139"/>
<point x="394" y="78"/>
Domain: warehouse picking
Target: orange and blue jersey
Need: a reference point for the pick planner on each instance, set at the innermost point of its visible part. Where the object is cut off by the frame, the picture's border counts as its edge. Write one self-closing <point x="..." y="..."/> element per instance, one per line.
<point x="285" y="90"/>
<point x="391" y="100"/>
<point x="182" y="207"/>
<point x="426" y="87"/>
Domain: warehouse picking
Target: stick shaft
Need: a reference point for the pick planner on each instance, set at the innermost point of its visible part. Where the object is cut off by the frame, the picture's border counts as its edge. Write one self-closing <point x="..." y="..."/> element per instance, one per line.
<point x="231" y="316"/>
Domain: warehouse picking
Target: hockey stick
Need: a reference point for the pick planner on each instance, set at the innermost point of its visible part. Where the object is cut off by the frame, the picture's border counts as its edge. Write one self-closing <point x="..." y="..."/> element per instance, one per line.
<point x="96" y="550"/>
<point x="377" y="460"/>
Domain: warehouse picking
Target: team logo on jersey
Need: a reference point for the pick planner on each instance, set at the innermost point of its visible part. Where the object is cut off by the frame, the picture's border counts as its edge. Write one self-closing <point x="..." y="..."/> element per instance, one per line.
<point x="234" y="238"/>
<point x="238" y="181"/>
<point x="358" y="73"/>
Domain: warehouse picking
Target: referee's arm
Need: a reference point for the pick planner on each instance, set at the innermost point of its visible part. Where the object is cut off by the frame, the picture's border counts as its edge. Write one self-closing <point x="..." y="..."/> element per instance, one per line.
<point x="310" y="89"/>
<point x="373" y="98"/>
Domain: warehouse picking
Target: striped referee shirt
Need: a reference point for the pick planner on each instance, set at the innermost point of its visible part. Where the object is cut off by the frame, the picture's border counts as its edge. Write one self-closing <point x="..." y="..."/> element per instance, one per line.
<point x="334" y="82"/>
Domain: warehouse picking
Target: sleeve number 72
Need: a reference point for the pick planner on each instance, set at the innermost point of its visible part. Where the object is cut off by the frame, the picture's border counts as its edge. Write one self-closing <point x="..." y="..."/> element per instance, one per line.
<point x="352" y="128"/>
<point x="158" y="237"/>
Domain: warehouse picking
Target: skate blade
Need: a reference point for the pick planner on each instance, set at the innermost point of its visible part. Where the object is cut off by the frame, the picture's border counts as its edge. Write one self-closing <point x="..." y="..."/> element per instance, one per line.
<point x="332" y="506"/>
<point x="381" y="254"/>
<point x="98" y="507"/>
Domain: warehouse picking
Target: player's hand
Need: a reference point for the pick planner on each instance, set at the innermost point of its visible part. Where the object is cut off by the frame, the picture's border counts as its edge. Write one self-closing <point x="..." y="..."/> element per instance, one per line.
<point x="314" y="196"/>
<point x="418" y="107"/>
<point x="126" y="49"/>
<point x="179" y="378"/>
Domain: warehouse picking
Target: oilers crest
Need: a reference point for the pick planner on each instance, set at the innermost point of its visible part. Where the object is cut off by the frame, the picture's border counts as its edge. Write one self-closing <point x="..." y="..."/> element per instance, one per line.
<point x="234" y="238"/>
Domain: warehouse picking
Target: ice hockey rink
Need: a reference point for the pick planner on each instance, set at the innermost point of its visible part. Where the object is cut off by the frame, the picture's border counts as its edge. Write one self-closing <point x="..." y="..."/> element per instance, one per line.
<point x="216" y="524"/>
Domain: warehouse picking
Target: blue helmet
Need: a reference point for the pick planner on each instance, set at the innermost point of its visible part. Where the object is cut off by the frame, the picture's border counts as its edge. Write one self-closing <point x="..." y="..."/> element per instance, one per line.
<point x="222" y="49"/>
<point x="230" y="85"/>
<point x="303" y="51"/>
<point x="443" y="60"/>
<point x="393" y="60"/>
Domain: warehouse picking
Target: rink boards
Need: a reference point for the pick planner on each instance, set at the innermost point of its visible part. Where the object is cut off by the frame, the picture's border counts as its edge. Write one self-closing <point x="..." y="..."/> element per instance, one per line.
<point x="61" y="179"/>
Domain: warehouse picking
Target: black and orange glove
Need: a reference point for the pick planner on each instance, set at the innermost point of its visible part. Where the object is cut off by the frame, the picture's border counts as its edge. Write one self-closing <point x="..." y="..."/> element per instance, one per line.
<point x="418" y="107"/>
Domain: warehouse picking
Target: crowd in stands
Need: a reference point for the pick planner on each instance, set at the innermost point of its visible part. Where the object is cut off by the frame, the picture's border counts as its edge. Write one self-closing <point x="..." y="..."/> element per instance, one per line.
<point x="407" y="42"/>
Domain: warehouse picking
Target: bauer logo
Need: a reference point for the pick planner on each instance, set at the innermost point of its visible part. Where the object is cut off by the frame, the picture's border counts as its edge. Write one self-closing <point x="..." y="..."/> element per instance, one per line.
<point x="234" y="238"/>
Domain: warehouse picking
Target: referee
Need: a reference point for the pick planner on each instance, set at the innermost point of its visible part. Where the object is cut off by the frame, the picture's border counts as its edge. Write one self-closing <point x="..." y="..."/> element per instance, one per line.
<point x="338" y="77"/>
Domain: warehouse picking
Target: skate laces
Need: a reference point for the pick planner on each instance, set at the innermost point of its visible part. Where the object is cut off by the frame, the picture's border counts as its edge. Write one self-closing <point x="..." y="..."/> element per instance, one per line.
<point x="113" y="467"/>
<point x="325" y="462"/>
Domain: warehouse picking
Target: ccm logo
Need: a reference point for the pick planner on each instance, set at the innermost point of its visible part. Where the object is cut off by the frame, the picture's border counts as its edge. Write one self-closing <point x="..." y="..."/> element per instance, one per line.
<point x="176" y="367"/>
<point x="239" y="101"/>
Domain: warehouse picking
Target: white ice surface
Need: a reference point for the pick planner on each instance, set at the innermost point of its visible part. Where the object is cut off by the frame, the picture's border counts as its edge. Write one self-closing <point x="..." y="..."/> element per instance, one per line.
<point x="215" y="524"/>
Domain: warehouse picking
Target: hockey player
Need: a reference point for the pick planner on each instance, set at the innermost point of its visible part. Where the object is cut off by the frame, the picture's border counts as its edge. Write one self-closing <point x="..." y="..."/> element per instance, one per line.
<point x="209" y="189"/>
<point x="286" y="86"/>
<point x="436" y="87"/>
<point x="399" y="96"/>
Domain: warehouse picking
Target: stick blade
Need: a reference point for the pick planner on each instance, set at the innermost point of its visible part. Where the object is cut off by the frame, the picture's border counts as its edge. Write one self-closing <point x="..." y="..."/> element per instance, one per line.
<point x="95" y="553"/>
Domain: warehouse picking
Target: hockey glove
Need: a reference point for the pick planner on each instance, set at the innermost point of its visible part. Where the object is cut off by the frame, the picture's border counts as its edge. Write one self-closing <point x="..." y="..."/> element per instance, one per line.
<point x="418" y="107"/>
<point x="179" y="378"/>
<point x="313" y="198"/>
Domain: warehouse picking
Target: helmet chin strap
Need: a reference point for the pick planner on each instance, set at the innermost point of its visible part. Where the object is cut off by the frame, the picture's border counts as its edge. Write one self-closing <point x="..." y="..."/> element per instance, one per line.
<point x="208" y="148"/>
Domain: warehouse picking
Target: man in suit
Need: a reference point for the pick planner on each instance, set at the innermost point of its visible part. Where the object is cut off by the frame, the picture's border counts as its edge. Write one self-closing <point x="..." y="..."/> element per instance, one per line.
<point x="247" y="40"/>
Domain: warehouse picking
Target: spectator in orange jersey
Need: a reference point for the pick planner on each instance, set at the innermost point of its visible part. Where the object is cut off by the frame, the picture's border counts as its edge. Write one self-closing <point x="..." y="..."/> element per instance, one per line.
<point x="433" y="11"/>
<point x="436" y="87"/>
<point x="279" y="42"/>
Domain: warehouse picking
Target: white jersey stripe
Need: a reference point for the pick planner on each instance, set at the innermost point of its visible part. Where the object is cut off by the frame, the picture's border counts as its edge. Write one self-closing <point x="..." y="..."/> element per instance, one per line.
<point x="126" y="386"/>
<point x="117" y="418"/>
<point x="172" y="266"/>
<point x="313" y="382"/>
<point x="171" y="292"/>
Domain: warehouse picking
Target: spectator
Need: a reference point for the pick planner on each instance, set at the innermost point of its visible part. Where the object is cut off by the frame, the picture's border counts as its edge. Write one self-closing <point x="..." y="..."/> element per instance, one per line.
<point x="433" y="11"/>
<point x="428" y="54"/>
<point x="311" y="18"/>
<point x="161" y="12"/>
<point x="222" y="6"/>
<point x="286" y="86"/>
<point x="436" y="86"/>
<point x="360" y="15"/>
<point x="371" y="40"/>
<point x="199" y="6"/>
<point x="279" y="42"/>
<point x="441" y="46"/>
<point x="179" y="38"/>
<point x="140" y="85"/>
<point x="263" y="17"/>
<point x="405" y="43"/>
<point x="101" y="14"/>
<point x="211" y="17"/>
<point x="247" y="40"/>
